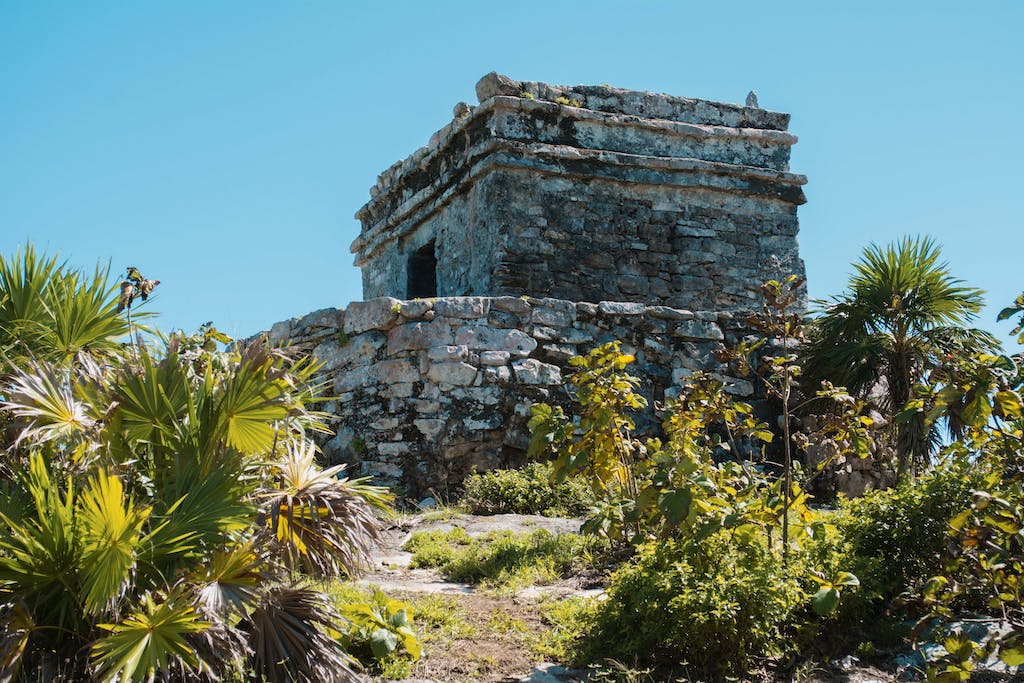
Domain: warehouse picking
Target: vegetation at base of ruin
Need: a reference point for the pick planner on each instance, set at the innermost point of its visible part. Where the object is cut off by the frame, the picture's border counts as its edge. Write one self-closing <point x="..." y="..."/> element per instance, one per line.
<point x="506" y="561"/>
<point x="677" y="596"/>
<point x="525" y="491"/>
<point x="163" y="512"/>
<point x="944" y="541"/>
<point x="163" y="515"/>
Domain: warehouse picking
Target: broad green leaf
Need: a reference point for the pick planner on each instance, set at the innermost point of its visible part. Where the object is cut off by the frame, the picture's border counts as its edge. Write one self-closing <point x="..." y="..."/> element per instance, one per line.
<point x="1009" y="403"/>
<point x="846" y="579"/>
<point x="675" y="505"/>
<point x="825" y="601"/>
<point x="383" y="642"/>
<point x="1012" y="655"/>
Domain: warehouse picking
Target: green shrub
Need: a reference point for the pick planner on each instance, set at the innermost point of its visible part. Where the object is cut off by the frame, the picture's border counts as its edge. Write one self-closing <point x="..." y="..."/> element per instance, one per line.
<point x="502" y="559"/>
<point x="896" y="539"/>
<point x="715" y="606"/>
<point x="526" y="491"/>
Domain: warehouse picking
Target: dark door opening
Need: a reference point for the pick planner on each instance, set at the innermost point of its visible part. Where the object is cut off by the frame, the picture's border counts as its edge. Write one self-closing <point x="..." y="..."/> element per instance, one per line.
<point x="422" y="272"/>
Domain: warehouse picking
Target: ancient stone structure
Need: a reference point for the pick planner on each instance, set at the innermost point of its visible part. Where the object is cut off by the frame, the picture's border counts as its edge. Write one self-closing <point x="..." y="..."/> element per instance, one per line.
<point x="533" y="227"/>
<point x="426" y="391"/>
<point x="588" y="193"/>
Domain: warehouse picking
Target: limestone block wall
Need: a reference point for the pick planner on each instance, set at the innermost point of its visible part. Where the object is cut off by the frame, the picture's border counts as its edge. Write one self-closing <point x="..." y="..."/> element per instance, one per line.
<point x="424" y="392"/>
<point x="590" y="193"/>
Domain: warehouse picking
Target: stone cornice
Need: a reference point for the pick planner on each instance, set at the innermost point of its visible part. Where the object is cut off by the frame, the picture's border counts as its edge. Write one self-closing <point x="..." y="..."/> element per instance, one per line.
<point x="494" y="153"/>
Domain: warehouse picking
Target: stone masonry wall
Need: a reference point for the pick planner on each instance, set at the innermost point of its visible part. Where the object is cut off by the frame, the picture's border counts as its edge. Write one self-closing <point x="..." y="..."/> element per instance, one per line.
<point x="424" y="392"/>
<point x="590" y="193"/>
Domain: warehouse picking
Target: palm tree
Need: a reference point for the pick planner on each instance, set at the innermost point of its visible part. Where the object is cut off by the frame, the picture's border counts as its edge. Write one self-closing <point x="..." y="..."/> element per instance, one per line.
<point x="163" y="514"/>
<point x="901" y="314"/>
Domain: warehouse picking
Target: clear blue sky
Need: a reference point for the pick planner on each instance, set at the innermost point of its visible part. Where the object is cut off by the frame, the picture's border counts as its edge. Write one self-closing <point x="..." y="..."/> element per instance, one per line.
<point x="223" y="147"/>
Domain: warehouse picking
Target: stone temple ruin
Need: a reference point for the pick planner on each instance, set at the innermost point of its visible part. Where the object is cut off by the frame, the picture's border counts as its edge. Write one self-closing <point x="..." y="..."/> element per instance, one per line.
<point x="534" y="226"/>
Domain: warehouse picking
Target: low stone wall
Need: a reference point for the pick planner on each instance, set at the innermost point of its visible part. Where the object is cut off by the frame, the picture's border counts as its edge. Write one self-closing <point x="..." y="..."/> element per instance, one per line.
<point x="424" y="392"/>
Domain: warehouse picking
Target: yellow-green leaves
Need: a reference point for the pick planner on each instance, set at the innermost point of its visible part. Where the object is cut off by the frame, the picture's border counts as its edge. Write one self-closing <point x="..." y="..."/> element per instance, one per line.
<point x="250" y="402"/>
<point x="111" y="528"/>
<point x="153" y="639"/>
<point x="826" y="600"/>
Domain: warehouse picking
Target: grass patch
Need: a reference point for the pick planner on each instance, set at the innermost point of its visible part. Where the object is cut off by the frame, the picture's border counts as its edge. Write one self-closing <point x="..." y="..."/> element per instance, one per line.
<point x="502" y="560"/>
<point x="567" y="620"/>
<point x="440" y="618"/>
<point x="525" y="491"/>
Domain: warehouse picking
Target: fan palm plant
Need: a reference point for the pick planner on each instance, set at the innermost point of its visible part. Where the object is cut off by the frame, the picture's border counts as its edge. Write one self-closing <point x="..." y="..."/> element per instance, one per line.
<point x="902" y="312"/>
<point x="49" y="311"/>
<point x="165" y="512"/>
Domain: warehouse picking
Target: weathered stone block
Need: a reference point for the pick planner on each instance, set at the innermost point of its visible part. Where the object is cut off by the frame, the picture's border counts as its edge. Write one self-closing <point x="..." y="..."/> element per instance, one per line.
<point x="532" y="371"/>
<point x="511" y="304"/>
<point x="447" y="352"/>
<point x="452" y="372"/>
<point x="428" y="427"/>
<point x="418" y="336"/>
<point x="468" y="307"/>
<point x="698" y="329"/>
<point x="280" y="333"/>
<point x="515" y="342"/>
<point x="380" y="314"/>
<point x="494" y="357"/>
<point x="621" y="308"/>
<point x="395" y="371"/>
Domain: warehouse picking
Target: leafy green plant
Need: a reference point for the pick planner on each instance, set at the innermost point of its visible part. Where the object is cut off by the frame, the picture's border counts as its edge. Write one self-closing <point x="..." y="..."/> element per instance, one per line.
<point x="1010" y="311"/>
<point x="895" y="540"/>
<point x="381" y="627"/>
<point x="678" y="596"/>
<point x="660" y="487"/>
<point x="902" y="313"/>
<point x="525" y="491"/>
<point x="52" y="313"/>
<point x="562" y="99"/>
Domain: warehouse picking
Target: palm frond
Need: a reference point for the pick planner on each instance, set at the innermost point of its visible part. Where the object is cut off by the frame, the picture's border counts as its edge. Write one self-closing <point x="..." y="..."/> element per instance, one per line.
<point x="288" y="636"/>
<point x="44" y="400"/>
<point x="251" y="400"/>
<point x="317" y="520"/>
<point x="110" y="524"/>
<point x="40" y="554"/>
<point x="154" y="639"/>
<point x="16" y="627"/>
<point x="230" y="584"/>
<point x="51" y="312"/>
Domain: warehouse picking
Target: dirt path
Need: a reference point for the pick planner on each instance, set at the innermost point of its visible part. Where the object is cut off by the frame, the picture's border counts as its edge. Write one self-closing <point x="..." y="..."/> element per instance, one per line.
<point x="488" y="638"/>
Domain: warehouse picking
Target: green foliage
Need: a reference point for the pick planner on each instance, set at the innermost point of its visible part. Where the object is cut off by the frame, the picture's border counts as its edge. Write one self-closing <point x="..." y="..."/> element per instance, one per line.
<point x="380" y="630"/>
<point x="567" y="620"/>
<point x="52" y="313"/>
<point x="717" y="605"/>
<point x="525" y="491"/>
<point x="502" y="560"/>
<point x="661" y="488"/>
<point x="562" y="99"/>
<point x="901" y="314"/>
<point x="1016" y="309"/>
<point x="987" y="563"/>
<point x="895" y="540"/>
<point x="160" y="504"/>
